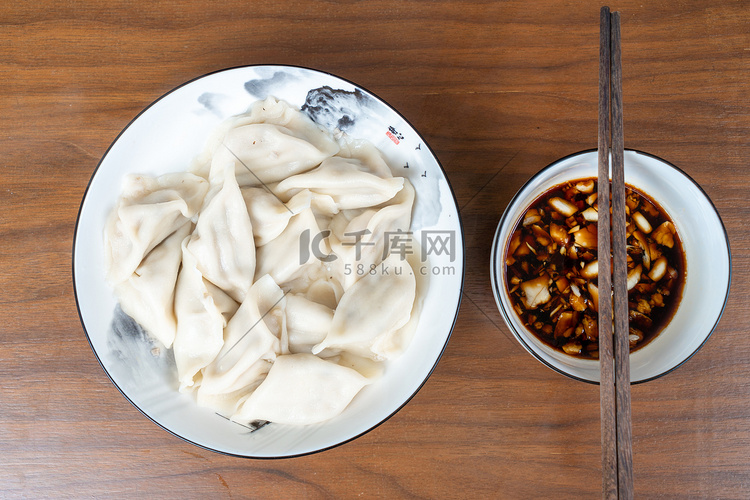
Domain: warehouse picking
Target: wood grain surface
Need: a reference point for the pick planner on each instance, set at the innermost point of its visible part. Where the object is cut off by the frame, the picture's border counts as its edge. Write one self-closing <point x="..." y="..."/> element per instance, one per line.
<point x="499" y="90"/>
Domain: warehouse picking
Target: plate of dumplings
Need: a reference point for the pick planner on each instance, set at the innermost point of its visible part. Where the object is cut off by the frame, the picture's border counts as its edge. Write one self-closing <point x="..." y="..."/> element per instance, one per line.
<point x="268" y="261"/>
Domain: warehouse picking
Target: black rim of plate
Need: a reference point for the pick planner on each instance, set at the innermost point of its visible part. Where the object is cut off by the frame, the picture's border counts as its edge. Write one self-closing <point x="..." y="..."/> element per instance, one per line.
<point x="496" y="279"/>
<point x="458" y="220"/>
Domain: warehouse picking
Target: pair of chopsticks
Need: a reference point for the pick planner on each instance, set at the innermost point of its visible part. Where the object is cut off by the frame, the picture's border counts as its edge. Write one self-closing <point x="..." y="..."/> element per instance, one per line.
<point x="614" y="388"/>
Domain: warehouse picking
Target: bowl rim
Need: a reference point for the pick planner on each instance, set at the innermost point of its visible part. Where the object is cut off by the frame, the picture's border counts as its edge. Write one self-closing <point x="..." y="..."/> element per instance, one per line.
<point x="458" y="220"/>
<point x="494" y="271"/>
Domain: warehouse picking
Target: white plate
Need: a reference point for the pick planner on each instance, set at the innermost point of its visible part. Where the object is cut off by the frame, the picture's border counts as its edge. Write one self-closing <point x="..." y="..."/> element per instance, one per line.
<point x="165" y="137"/>
<point x="704" y="242"/>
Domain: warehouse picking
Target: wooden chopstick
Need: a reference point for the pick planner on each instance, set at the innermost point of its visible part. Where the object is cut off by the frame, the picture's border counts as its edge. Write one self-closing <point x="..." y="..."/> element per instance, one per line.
<point x="607" y="382"/>
<point x="619" y="275"/>
<point x="617" y="456"/>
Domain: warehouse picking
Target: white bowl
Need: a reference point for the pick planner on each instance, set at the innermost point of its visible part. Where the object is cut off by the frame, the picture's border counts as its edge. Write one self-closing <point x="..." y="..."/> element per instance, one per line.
<point x="165" y="137"/>
<point x="706" y="248"/>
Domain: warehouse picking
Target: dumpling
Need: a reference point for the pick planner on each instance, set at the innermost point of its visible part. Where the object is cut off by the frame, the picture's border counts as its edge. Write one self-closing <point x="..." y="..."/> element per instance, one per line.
<point x="149" y="210"/>
<point x="200" y="323"/>
<point x="227" y="403"/>
<point x="255" y="333"/>
<point x="301" y="389"/>
<point x="315" y="283"/>
<point x="373" y="307"/>
<point x="323" y="206"/>
<point x="286" y="254"/>
<point x="324" y="291"/>
<point x="269" y="215"/>
<point x="370" y="369"/>
<point x="307" y="322"/>
<point x="392" y="344"/>
<point x="273" y="142"/>
<point x="222" y="241"/>
<point x="368" y="154"/>
<point x="348" y="181"/>
<point x="380" y="231"/>
<point x="226" y="304"/>
<point x="148" y="295"/>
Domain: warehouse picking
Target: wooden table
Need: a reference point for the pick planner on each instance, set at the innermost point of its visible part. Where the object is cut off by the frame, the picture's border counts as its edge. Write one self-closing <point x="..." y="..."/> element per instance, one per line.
<point x="499" y="90"/>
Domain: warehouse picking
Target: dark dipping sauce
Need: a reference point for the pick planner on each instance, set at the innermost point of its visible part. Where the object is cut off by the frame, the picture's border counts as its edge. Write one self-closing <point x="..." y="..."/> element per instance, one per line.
<point x="551" y="268"/>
